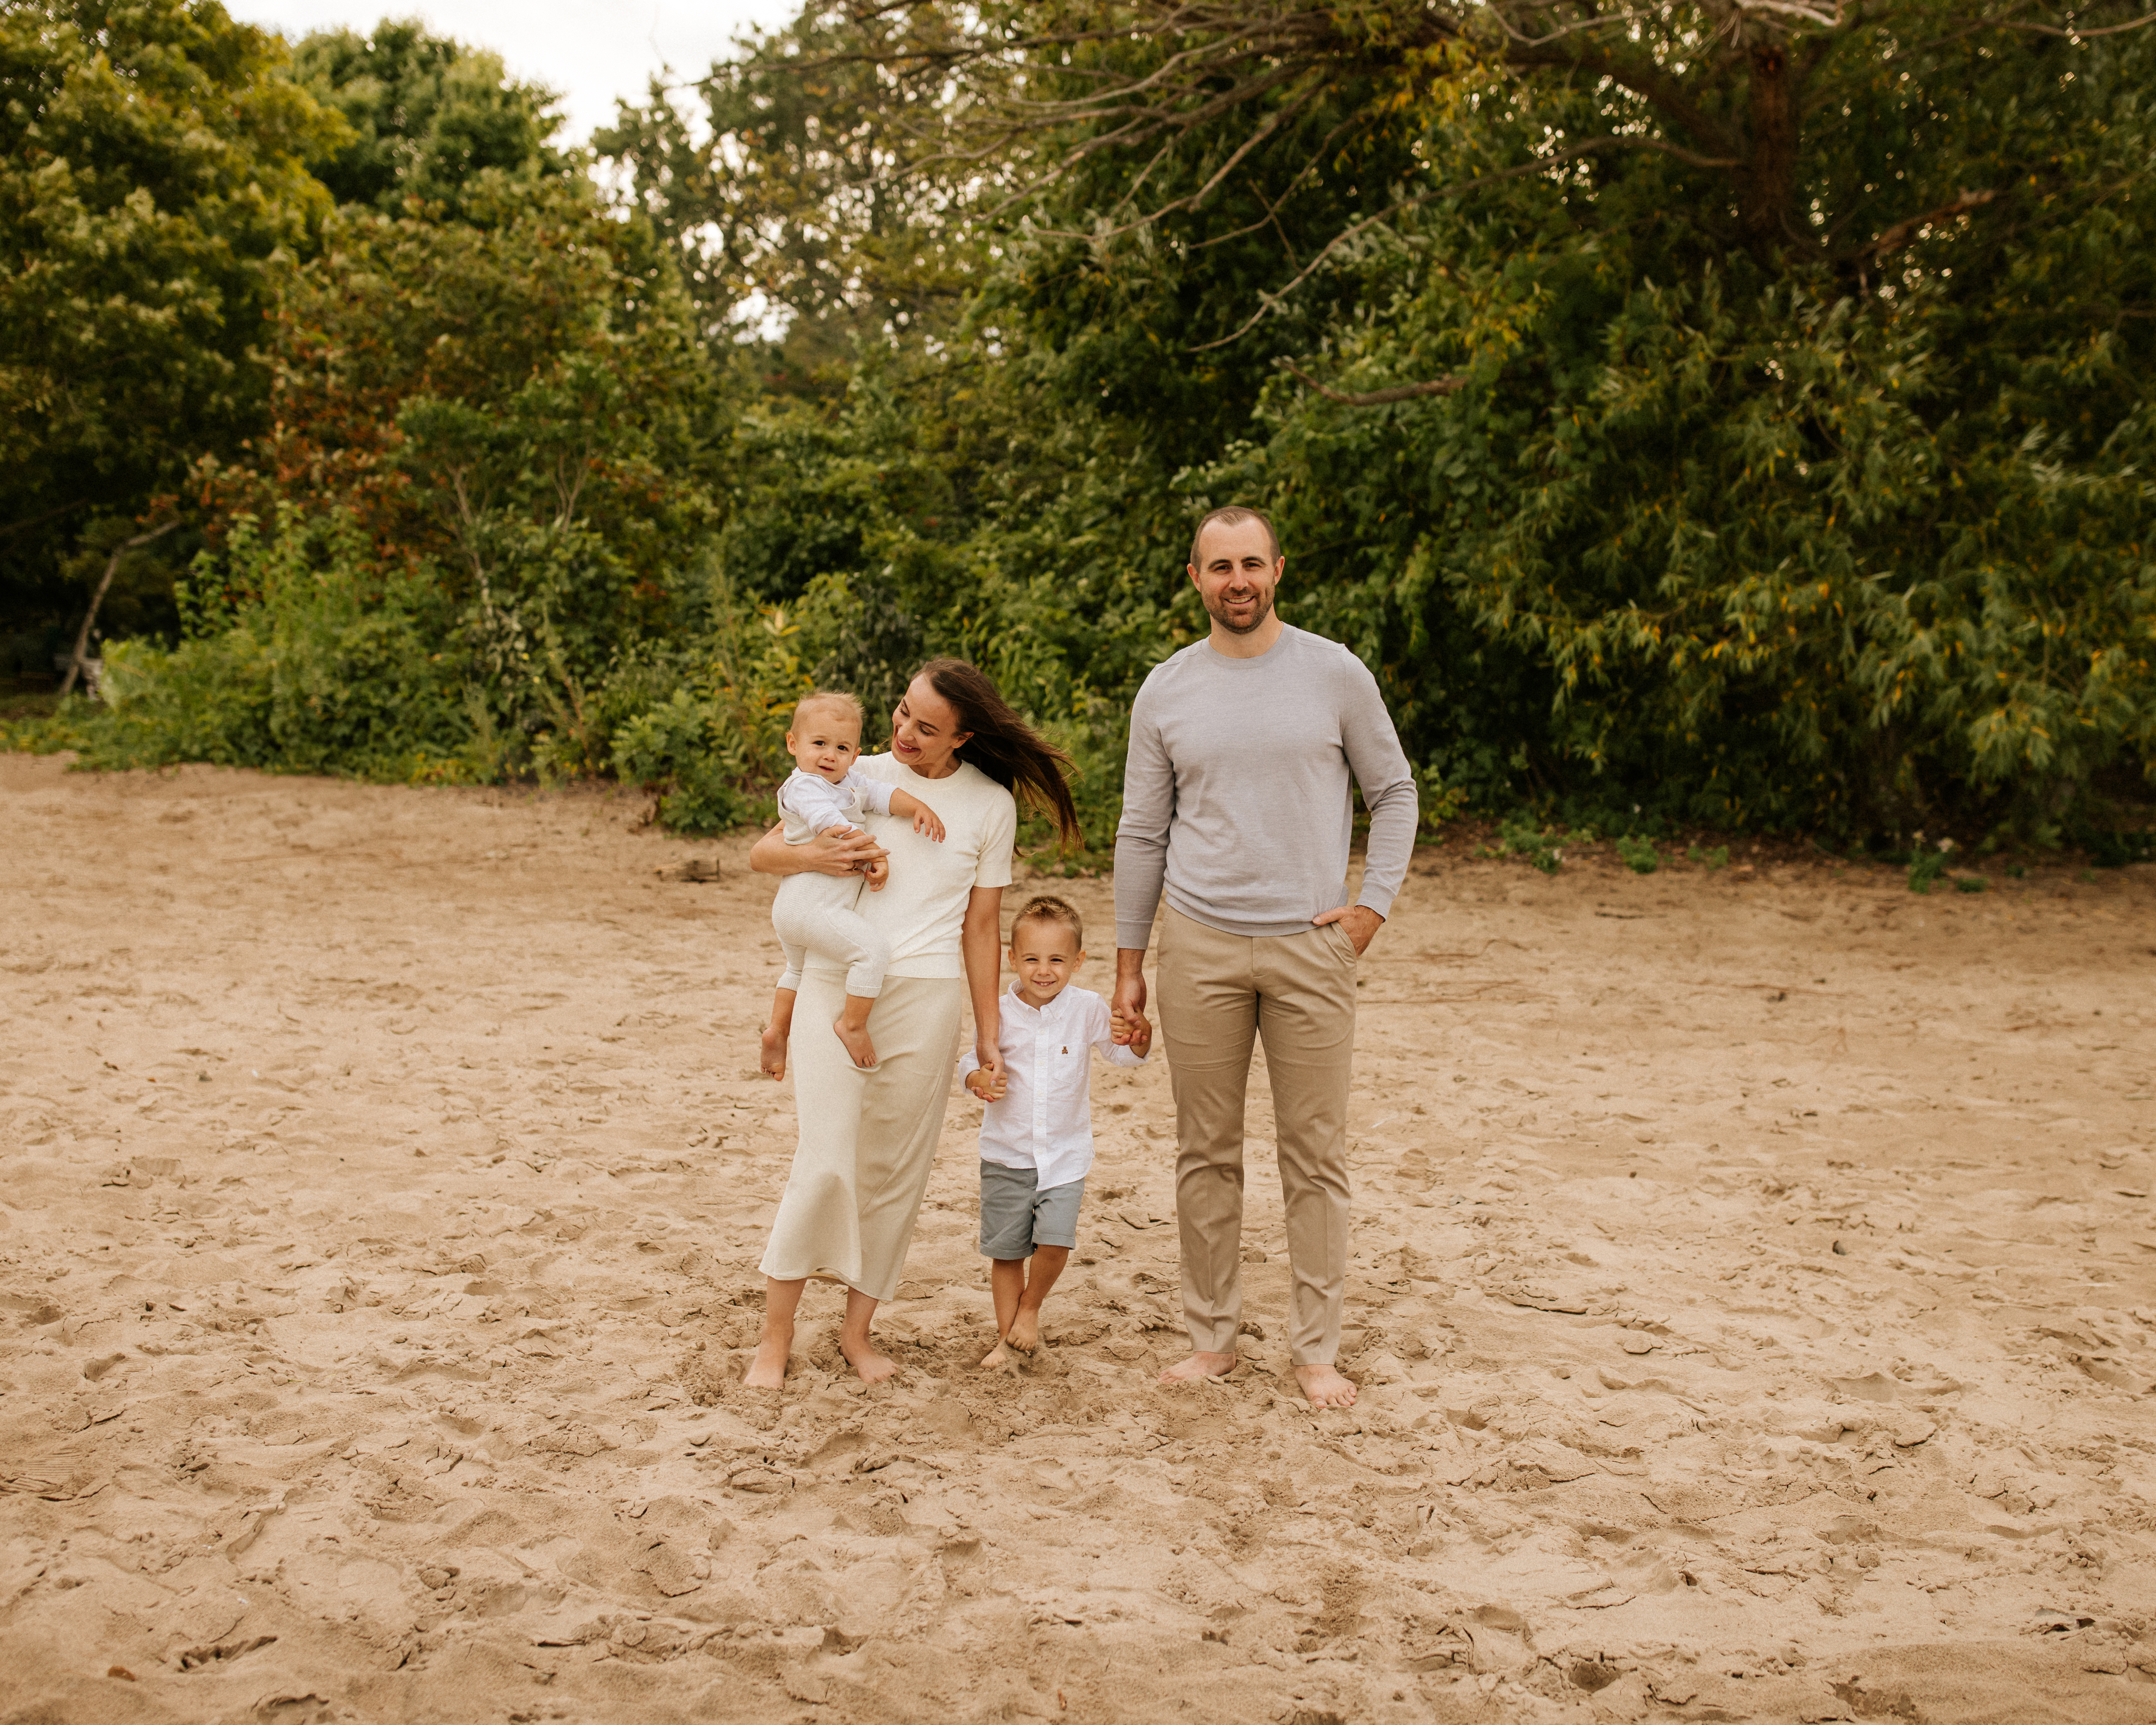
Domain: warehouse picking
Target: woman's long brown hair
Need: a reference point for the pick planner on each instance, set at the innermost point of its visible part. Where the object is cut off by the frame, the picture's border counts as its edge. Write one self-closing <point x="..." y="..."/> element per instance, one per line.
<point x="1004" y="746"/>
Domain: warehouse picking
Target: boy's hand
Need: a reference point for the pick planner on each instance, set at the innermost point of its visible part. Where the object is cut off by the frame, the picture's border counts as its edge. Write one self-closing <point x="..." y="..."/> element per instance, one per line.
<point x="876" y="871"/>
<point x="927" y="821"/>
<point x="1133" y="1034"/>
<point x="987" y="1083"/>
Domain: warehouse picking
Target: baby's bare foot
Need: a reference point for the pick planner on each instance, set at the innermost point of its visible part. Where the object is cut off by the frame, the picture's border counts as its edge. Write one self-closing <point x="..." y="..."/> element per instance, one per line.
<point x="869" y="1366"/>
<point x="768" y="1370"/>
<point x="857" y="1045"/>
<point x="1198" y="1366"/>
<point x="774" y="1052"/>
<point x="1323" y="1387"/>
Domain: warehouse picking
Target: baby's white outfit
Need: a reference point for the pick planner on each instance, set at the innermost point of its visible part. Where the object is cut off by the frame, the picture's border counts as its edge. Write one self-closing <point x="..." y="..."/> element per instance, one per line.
<point x="814" y="913"/>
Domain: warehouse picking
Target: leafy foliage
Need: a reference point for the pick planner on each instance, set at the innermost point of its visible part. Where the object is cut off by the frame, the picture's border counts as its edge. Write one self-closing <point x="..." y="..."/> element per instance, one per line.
<point x="1697" y="415"/>
<point x="426" y="116"/>
<point x="152" y="190"/>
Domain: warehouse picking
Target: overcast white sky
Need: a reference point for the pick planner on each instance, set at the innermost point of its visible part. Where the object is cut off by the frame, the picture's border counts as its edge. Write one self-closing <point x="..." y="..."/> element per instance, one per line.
<point x="590" y="51"/>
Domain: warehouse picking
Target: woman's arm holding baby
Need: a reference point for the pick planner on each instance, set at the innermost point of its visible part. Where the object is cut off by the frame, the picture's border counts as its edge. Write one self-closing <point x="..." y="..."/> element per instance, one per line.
<point x="826" y="854"/>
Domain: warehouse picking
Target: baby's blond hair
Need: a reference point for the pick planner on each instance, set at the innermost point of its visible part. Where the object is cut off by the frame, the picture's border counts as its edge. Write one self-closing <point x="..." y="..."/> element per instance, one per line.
<point x="828" y="697"/>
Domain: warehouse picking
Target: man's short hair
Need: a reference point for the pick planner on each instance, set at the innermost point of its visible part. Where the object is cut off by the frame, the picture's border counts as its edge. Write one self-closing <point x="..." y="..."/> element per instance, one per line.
<point x="1059" y="912"/>
<point x="851" y="704"/>
<point x="1233" y="516"/>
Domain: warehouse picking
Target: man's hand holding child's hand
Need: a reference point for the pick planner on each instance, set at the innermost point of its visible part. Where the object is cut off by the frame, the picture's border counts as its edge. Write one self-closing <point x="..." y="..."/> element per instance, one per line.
<point x="987" y="1082"/>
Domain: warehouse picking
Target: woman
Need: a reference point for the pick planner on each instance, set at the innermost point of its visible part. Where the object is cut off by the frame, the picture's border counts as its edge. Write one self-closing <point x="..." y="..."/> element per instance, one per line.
<point x="868" y="1137"/>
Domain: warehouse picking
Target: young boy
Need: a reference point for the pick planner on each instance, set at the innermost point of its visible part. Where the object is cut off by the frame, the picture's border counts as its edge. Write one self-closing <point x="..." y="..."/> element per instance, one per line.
<point x="1037" y="1130"/>
<point x="814" y="914"/>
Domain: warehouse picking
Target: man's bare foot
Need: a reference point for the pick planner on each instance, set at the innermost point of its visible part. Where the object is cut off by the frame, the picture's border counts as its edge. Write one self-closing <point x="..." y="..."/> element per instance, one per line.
<point x="768" y="1370"/>
<point x="857" y="1045"/>
<point x="774" y="1052"/>
<point x="1025" y="1331"/>
<point x="869" y="1366"/>
<point x="1198" y="1366"/>
<point x="1323" y="1387"/>
<point x="1000" y="1355"/>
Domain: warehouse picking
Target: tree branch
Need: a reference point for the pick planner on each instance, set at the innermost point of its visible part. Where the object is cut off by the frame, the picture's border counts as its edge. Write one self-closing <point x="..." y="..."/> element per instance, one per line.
<point x="1541" y="164"/>
<point x="1375" y="397"/>
<point x="1900" y="234"/>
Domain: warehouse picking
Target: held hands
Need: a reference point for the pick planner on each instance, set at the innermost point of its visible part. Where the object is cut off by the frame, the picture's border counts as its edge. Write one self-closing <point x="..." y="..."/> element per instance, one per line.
<point x="987" y="1083"/>
<point x="877" y="872"/>
<point x="1360" y="922"/>
<point x="1128" y="1026"/>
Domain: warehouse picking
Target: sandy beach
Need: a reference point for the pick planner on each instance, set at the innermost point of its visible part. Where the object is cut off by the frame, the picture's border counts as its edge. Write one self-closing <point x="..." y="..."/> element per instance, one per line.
<point x="1753" y="1298"/>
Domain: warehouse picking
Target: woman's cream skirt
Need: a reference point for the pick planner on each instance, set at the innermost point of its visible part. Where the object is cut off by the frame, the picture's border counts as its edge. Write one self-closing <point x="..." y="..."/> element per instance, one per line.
<point x="867" y="1139"/>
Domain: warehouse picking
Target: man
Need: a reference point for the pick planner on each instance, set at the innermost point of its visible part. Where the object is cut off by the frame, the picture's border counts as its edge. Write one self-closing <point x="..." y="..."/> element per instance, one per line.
<point x="1235" y="802"/>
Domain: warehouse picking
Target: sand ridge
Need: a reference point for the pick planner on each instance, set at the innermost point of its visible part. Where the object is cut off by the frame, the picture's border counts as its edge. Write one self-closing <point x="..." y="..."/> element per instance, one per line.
<point x="1752" y="1296"/>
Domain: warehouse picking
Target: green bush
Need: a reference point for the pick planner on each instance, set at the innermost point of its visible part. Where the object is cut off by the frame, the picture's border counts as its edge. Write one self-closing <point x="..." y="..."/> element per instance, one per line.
<point x="299" y="653"/>
<point x="682" y="749"/>
<point x="1638" y="855"/>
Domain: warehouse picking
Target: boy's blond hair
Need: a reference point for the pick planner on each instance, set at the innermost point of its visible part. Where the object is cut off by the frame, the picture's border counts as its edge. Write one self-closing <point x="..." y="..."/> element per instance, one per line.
<point x="828" y="697"/>
<point x="1047" y="908"/>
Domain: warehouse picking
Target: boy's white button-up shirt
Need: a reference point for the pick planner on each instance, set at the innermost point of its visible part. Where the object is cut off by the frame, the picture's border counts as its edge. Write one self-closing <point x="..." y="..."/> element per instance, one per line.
<point x="1045" y="1120"/>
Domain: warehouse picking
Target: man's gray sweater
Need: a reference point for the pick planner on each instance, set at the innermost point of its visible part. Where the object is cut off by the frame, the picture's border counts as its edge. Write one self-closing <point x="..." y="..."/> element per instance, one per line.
<point x="1235" y="793"/>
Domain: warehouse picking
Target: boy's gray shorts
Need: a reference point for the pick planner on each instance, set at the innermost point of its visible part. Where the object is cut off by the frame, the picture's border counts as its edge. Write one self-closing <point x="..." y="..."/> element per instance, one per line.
<point x="1016" y="1215"/>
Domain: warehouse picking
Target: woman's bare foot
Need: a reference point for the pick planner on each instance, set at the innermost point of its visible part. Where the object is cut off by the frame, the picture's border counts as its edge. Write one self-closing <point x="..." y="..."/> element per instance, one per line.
<point x="1323" y="1387"/>
<point x="869" y="1366"/>
<point x="1198" y="1366"/>
<point x="1025" y="1331"/>
<point x="768" y="1370"/>
<point x="857" y="1045"/>
<point x="774" y="1052"/>
<point x="1000" y="1355"/>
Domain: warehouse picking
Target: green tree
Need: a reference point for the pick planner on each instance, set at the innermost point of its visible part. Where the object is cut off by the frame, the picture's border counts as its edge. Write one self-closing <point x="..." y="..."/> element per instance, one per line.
<point x="1738" y="411"/>
<point x="808" y="193"/>
<point x="153" y="186"/>
<point x="426" y="116"/>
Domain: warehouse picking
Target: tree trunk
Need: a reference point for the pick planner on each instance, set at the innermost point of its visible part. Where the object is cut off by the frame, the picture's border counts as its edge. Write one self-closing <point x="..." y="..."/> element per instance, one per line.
<point x="97" y="598"/>
<point x="1770" y="173"/>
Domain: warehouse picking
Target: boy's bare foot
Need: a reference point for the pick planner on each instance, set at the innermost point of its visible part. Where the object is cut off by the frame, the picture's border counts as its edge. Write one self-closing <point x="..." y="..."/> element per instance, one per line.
<point x="1323" y="1387"/>
<point x="768" y="1370"/>
<point x="1025" y="1331"/>
<point x="1198" y="1366"/>
<point x="1000" y="1355"/>
<point x="857" y="1045"/>
<point x="774" y="1052"/>
<point x="869" y="1366"/>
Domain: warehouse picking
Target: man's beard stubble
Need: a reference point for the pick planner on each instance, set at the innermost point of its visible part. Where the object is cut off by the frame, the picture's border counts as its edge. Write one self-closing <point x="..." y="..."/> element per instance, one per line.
<point x="1258" y="612"/>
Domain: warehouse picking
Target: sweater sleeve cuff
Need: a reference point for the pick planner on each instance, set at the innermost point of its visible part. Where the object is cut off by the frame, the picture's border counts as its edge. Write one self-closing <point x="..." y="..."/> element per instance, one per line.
<point x="1377" y="898"/>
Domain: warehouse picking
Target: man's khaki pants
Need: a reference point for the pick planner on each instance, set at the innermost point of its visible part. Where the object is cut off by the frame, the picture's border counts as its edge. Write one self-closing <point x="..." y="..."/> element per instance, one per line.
<point x="1217" y="992"/>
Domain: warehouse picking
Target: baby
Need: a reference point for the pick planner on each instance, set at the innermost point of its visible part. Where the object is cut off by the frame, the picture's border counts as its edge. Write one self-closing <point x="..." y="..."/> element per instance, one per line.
<point x="1037" y="1130"/>
<point x="814" y="913"/>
